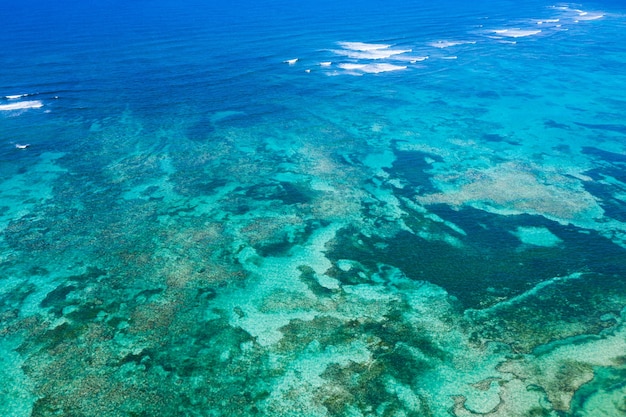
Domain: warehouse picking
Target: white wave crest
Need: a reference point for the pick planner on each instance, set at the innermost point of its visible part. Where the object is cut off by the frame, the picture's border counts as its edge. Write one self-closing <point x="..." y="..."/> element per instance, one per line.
<point x="578" y="14"/>
<point x="363" y="46"/>
<point x="544" y="21"/>
<point x="16" y="96"/>
<point x="448" y="44"/>
<point x="516" y="33"/>
<point x="22" y="105"/>
<point x="587" y="16"/>
<point x="373" y="54"/>
<point x="371" y="68"/>
<point x="362" y="50"/>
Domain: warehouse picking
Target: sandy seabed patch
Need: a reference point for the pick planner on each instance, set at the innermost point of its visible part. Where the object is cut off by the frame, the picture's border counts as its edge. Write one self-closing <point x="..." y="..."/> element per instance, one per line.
<point x="515" y="189"/>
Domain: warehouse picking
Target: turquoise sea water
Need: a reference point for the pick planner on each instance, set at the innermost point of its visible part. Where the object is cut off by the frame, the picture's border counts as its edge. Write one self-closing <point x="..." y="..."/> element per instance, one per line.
<point x="327" y="208"/>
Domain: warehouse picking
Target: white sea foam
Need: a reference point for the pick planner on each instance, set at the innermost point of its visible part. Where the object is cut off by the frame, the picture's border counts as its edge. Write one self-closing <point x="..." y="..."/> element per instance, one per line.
<point x="22" y="105"/>
<point x="371" y="68"/>
<point x="516" y="33"/>
<point x="371" y="54"/>
<point x="362" y="50"/>
<point x="448" y="44"/>
<point x="542" y="21"/>
<point x="578" y="14"/>
<point x="362" y="46"/>
<point x="587" y="16"/>
<point x="409" y="58"/>
<point x="325" y="64"/>
<point x="374" y="54"/>
<point x="16" y="96"/>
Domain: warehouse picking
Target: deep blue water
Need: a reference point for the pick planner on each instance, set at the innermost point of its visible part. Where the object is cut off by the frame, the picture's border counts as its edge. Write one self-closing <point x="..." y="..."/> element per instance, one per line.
<point x="382" y="208"/>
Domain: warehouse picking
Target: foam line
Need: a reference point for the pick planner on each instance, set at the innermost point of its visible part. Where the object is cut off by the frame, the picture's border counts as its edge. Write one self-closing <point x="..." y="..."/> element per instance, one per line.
<point x="541" y="22"/>
<point x="374" y="54"/>
<point x="448" y="44"/>
<point x="32" y="104"/>
<point x="16" y="96"/>
<point x="587" y="16"/>
<point x="371" y="68"/>
<point x="362" y="46"/>
<point x="516" y="33"/>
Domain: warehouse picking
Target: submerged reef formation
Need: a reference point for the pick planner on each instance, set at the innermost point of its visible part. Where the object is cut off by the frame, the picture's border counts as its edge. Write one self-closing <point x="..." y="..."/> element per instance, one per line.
<point x="312" y="209"/>
<point x="264" y="271"/>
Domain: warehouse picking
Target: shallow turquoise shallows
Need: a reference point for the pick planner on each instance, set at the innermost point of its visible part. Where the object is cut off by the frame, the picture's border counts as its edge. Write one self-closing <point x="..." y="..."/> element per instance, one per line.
<point x="282" y="208"/>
